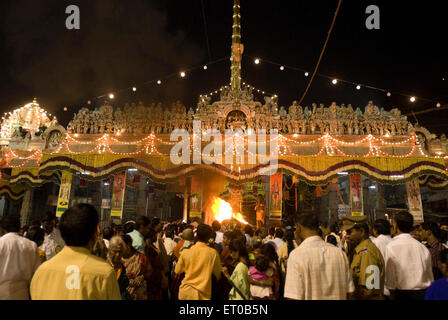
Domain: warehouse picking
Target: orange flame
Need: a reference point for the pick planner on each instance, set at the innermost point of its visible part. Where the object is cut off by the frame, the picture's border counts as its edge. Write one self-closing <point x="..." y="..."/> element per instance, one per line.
<point x="222" y="210"/>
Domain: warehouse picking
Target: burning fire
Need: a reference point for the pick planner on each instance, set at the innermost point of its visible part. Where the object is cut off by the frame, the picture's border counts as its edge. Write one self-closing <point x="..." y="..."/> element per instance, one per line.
<point x="222" y="210"/>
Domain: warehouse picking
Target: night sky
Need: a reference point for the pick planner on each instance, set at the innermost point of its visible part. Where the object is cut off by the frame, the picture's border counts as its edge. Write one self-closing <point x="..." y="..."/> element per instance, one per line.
<point x="125" y="43"/>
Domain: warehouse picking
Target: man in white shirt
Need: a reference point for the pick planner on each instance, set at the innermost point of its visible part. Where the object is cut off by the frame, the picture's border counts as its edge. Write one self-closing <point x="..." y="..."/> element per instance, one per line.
<point x="381" y="231"/>
<point x="19" y="260"/>
<point x="408" y="262"/>
<point x="53" y="241"/>
<point x="316" y="270"/>
<point x="278" y="241"/>
<point x="216" y="226"/>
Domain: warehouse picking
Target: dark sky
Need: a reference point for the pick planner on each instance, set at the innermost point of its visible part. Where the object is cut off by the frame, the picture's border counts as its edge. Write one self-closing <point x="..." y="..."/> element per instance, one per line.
<point x="123" y="43"/>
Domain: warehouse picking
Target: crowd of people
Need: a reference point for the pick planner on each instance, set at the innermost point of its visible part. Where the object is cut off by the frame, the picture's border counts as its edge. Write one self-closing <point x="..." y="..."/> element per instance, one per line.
<point x="149" y="259"/>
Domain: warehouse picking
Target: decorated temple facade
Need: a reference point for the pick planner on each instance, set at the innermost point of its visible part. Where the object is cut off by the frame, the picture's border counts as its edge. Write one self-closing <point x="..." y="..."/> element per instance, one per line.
<point x="333" y="159"/>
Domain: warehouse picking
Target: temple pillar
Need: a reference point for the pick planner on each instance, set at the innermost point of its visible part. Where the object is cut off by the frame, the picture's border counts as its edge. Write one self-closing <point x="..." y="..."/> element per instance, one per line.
<point x="333" y="204"/>
<point x="27" y="206"/>
<point x="381" y="204"/>
<point x="187" y="192"/>
<point x="366" y="200"/>
<point x="142" y="199"/>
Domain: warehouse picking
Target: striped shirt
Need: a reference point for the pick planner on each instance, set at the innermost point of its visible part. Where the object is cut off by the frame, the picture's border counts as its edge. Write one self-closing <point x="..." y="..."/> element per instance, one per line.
<point x="318" y="271"/>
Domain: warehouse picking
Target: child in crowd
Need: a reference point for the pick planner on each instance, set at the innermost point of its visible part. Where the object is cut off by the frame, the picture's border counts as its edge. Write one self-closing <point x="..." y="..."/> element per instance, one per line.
<point x="258" y="274"/>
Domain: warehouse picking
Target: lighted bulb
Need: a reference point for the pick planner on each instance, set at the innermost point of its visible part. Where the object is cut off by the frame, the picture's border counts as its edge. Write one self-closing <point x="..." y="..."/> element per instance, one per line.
<point x="257" y="61"/>
<point x="334" y="81"/>
<point x="182" y="74"/>
<point x="438" y="105"/>
<point x="134" y="89"/>
<point x="389" y="94"/>
<point x="159" y="82"/>
<point x="358" y="87"/>
<point x="205" y="67"/>
<point x="412" y="99"/>
<point x="282" y="68"/>
<point x="306" y="74"/>
<point x="111" y="96"/>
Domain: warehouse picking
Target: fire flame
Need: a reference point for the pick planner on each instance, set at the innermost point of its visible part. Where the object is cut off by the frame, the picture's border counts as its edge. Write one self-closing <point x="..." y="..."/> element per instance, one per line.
<point x="222" y="210"/>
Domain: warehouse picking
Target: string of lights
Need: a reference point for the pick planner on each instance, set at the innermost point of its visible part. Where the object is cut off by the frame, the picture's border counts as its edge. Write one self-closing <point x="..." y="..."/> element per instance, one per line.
<point x="336" y="80"/>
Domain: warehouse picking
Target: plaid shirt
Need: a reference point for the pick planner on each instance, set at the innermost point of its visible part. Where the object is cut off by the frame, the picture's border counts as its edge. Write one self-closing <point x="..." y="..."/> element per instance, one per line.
<point x="318" y="271"/>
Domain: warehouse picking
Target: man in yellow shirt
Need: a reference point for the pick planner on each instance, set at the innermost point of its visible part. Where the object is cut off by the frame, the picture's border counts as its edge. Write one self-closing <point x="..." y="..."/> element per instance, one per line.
<point x="74" y="273"/>
<point x="199" y="263"/>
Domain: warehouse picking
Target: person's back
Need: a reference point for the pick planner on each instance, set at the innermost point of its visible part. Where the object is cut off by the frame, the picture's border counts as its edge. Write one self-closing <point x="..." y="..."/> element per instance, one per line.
<point x="199" y="263"/>
<point x="408" y="264"/>
<point x="316" y="270"/>
<point x="74" y="273"/>
<point x="19" y="259"/>
<point x="323" y="269"/>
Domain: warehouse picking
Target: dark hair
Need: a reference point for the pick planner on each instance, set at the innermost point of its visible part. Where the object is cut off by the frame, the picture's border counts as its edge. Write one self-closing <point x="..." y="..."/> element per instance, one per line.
<point x="289" y="236"/>
<point x="11" y="224"/>
<point x="362" y="226"/>
<point x="35" y="234"/>
<point x="248" y="230"/>
<point x="271" y="231"/>
<point x="261" y="263"/>
<point x="404" y="221"/>
<point x="151" y="234"/>
<point x="49" y="216"/>
<point x="433" y="227"/>
<point x="242" y="238"/>
<point x="308" y="221"/>
<point x="216" y="226"/>
<point x="238" y="246"/>
<point x="170" y="231"/>
<point x="279" y="233"/>
<point x="268" y="250"/>
<point x="107" y="233"/>
<point x="141" y="221"/>
<point x="79" y="224"/>
<point x="204" y="232"/>
<point x="128" y="226"/>
<point x="332" y="239"/>
<point x="382" y="226"/>
<point x="127" y="240"/>
<point x="35" y="223"/>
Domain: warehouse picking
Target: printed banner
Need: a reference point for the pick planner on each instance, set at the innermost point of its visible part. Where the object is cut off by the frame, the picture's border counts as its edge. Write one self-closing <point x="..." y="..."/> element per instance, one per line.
<point x="356" y="195"/>
<point x="415" y="201"/>
<point x="276" y="196"/>
<point x="64" y="193"/>
<point x="118" y="195"/>
<point x="195" y="205"/>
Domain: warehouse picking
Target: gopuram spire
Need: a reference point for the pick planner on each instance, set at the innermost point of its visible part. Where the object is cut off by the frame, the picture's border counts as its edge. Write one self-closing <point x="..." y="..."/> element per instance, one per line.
<point x="237" y="48"/>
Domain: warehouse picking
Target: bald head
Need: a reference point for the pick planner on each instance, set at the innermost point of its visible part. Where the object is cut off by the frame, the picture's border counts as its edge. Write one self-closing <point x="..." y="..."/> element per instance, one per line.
<point x="188" y="235"/>
<point x="115" y="253"/>
<point x="116" y="242"/>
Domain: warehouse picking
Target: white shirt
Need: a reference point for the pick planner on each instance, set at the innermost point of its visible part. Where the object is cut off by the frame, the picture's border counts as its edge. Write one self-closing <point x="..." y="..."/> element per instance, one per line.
<point x="381" y="243"/>
<point x="219" y="237"/>
<point x="249" y="240"/>
<point x="278" y="242"/>
<point x="408" y="264"/>
<point x="19" y="260"/>
<point x="50" y="241"/>
<point x="318" y="271"/>
<point x="170" y="244"/>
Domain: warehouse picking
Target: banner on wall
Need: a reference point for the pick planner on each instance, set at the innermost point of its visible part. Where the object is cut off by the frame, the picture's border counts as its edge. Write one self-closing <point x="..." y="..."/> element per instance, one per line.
<point x="118" y="195"/>
<point x="64" y="193"/>
<point x="415" y="201"/>
<point x="356" y="195"/>
<point x="276" y="196"/>
<point x="195" y="205"/>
